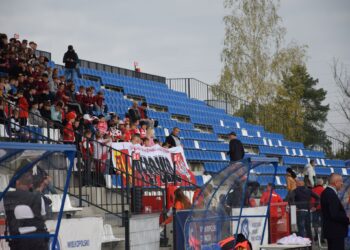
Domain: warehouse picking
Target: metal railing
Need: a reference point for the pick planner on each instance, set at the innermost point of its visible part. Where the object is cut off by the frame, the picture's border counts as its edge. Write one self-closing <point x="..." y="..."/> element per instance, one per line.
<point x="202" y="91"/>
<point x="338" y="148"/>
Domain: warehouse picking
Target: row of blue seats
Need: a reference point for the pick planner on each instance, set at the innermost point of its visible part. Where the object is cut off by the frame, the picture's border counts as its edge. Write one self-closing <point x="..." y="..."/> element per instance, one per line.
<point x="118" y="101"/>
<point x="214" y="167"/>
<point x="289" y="151"/>
<point x="292" y="144"/>
<point x="251" y="140"/>
<point x="187" y="134"/>
<point x="268" y="169"/>
<point x="313" y="153"/>
<point x="272" y="150"/>
<point x="200" y="155"/>
<point x="205" y="145"/>
<point x="335" y="163"/>
<point x="266" y="179"/>
<point x="119" y="109"/>
<point x="170" y="124"/>
<point x="86" y="83"/>
<point x="288" y="160"/>
<point x="159" y="115"/>
<point x="215" y="146"/>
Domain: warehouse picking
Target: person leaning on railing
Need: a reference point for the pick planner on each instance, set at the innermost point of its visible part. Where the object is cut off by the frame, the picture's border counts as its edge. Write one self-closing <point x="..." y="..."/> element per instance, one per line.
<point x="35" y="116"/>
<point x="181" y="202"/>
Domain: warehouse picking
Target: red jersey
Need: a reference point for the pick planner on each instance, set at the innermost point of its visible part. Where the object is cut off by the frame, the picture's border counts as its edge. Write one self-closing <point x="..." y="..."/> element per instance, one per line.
<point x="127" y="135"/>
<point x="23" y="107"/>
<point x="68" y="133"/>
<point x="134" y="131"/>
<point x="275" y="198"/>
<point x="99" y="100"/>
<point x="317" y="190"/>
<point x="61" y="96"/>
<point x="88" y="100"/>
<point x="142" y="113"/>
<point x="41" y="86"/>
<point x="79" y="97"/>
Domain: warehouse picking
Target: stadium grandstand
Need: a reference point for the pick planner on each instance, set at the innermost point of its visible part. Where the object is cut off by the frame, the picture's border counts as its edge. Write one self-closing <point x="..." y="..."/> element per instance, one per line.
<point x="93" y="111"/>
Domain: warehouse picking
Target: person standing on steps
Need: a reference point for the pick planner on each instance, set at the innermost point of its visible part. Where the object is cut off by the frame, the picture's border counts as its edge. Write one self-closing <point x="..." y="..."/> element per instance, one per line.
<point x="71" y="61"/>
<point x="236" y="149"/>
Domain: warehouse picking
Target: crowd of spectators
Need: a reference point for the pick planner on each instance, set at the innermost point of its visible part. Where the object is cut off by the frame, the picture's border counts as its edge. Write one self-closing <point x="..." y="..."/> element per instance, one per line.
<point x="44" y="98"/>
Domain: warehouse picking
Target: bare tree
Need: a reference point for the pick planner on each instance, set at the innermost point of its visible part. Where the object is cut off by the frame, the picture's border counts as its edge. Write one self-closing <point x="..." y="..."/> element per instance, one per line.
<point x="342" y="80"/>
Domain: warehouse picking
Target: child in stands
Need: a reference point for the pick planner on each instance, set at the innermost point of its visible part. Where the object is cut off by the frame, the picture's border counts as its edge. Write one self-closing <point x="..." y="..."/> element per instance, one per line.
<point x="127" y="133"/>
<point x="102" y="125"/>
<point x="61" y="94"/>
<point x="150" y="136"/>
<point x="79" y="96"/>
<point x="23" y="108"/>
<point x="88" y="101"/>
<point x="134" y="130"/>
<point x="99" y="103"/>
<point x="68" y="131"/>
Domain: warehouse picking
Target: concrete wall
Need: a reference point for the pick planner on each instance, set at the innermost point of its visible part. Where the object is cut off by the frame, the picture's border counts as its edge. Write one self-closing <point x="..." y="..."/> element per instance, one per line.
<point x="144" y="232"/>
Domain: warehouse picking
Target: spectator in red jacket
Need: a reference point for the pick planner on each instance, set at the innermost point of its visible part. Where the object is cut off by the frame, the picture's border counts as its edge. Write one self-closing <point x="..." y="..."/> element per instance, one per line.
<point x="143" y="111"/>
<point x="43" y="83"/>
<point x="80" y="95"/>
<point x="61" y="94"/>
<point x="68" y="131"/>
<point x="99" y="103"/>
<point x="127" y="133"/>
<point x="275" y="198"/>
<point x="88" y="101"/>
<point x="316" y="215"/>
<point x="23" y="109"/>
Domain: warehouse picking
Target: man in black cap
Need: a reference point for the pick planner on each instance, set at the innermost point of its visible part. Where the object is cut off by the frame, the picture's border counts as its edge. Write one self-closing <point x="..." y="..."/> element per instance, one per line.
<point x="236" y="150"/>
<point x="71" y="61"/>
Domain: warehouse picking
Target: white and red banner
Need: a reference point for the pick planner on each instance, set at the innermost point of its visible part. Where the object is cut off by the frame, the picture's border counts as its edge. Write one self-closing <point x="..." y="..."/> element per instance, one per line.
<point x="152" y="165"/>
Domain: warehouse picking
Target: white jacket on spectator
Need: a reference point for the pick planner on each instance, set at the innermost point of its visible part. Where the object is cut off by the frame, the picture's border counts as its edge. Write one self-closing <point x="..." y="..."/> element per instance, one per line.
<point x="310" y="172"/>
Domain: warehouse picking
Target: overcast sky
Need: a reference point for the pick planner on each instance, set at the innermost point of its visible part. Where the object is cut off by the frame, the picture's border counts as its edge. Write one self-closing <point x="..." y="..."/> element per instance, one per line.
<point x="178" y="38"/>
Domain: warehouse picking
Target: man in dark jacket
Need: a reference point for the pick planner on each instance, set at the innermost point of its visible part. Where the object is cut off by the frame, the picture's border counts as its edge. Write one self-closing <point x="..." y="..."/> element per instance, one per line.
<point x="236" y="150"/>
<point x="71" y="61"/>
<point x="173" y="140"/>
<point x="303" y="195"/>
<point x="335" y="221"/>
<point x="134" y="113"/>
